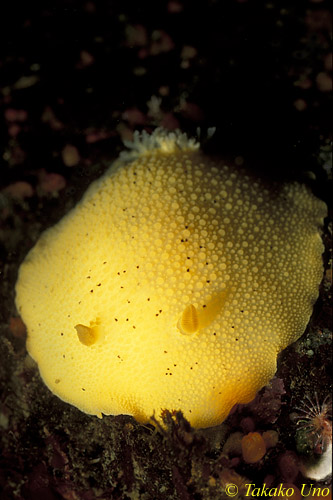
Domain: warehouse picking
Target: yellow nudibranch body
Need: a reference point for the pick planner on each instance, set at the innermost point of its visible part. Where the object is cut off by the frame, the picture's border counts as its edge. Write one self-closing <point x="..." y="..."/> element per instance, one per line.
<point x="173" y="284"/>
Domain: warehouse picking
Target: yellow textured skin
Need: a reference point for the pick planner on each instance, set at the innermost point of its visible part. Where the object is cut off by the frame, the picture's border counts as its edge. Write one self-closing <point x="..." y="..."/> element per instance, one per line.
<point x="164" y="237"/>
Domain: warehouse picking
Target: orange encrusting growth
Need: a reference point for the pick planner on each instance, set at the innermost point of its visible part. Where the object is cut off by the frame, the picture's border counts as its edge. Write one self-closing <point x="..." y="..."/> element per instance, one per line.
<point x="253" y="447"/>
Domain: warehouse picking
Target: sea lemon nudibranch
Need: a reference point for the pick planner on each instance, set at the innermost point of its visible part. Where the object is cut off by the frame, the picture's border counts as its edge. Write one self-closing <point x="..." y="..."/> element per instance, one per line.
<point x="198" y="272"/>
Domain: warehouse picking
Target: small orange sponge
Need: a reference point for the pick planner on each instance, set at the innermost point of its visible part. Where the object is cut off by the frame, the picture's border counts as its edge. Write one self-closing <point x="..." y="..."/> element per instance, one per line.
<point x="253" y="447"/>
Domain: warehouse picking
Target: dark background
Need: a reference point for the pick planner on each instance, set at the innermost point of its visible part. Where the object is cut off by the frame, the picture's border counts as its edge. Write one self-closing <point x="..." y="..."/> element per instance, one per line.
<point x="258" y="71"/>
